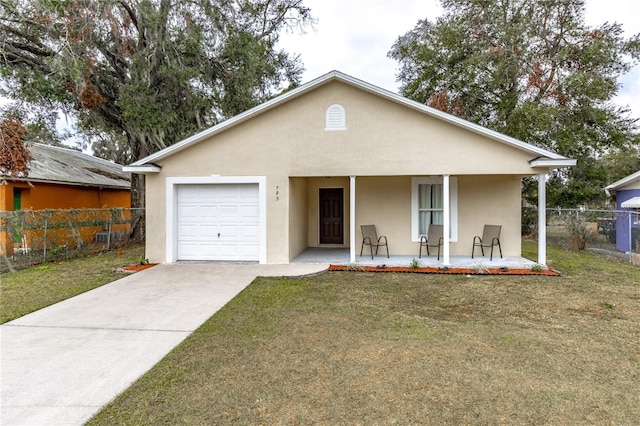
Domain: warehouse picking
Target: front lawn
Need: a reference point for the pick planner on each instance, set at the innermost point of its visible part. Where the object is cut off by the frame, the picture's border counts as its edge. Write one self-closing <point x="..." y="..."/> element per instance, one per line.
<point x="380" y="348"/>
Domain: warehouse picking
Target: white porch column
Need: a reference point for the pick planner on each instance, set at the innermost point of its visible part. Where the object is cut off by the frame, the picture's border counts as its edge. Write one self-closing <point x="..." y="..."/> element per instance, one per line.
<point x="446" y="221"/>
<point x="352" y="219"/>
<point x="542" y="219"/>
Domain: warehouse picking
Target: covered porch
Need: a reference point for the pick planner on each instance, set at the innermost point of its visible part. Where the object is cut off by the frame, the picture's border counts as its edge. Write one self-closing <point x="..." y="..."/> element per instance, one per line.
<point x="391" y="203"/>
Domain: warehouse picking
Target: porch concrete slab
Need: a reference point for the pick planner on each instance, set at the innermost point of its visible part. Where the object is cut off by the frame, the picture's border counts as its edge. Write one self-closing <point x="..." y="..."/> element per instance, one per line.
<point x="340" y="256"/>
<point x="61" y="364"/>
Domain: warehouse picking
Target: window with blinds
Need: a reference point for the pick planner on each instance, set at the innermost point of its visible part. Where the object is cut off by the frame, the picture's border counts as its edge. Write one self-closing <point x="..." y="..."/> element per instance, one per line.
<point x="427" y="205"/>
<point x="430" y="206"/>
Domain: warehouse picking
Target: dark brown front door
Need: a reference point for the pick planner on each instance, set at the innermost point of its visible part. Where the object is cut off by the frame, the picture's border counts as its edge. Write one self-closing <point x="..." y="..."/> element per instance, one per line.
<point x="331" y="215"/>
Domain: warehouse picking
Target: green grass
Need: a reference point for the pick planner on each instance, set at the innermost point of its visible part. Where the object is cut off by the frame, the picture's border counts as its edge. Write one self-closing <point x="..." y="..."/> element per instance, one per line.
<point x="367" y="348"/>
<point x="26" y="291"/>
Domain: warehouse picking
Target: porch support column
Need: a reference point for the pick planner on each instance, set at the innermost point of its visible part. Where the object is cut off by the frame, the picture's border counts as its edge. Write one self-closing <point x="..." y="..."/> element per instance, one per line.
<point x="542" y="219"/>
<point x="446" y="221"/>
<point x="352" y="219"/>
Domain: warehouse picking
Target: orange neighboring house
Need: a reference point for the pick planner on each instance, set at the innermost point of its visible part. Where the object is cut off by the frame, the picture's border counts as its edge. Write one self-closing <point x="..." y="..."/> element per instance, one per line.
<point x="62" y="178"/>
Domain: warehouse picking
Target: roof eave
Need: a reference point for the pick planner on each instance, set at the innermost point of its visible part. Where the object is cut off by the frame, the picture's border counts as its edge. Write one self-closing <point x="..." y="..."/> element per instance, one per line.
<point x="622" y="182"/>
<point x="142" y="169"/>
<point x="29" y="181"/>
<point x="337" y="75"/>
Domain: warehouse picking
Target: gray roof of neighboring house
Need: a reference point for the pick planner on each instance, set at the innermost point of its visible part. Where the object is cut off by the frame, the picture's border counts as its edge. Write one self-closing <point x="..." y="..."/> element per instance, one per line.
<point x="69" y="167"/>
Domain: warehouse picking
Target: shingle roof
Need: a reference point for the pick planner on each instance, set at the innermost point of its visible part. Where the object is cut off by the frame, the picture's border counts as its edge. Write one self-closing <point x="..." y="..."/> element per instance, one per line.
<point x="70" y="167"/>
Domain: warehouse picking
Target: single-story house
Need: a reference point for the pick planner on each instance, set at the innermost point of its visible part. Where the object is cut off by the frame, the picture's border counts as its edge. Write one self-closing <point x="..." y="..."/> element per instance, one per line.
<point x="62" y="178"/>
<point x="309" y="167"/>
<point x="627" y="192"/>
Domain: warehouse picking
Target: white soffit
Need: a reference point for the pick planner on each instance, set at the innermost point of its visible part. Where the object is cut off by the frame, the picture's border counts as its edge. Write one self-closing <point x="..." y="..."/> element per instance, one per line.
<point x="142" y="169"/>
<point x="552" y="163"/>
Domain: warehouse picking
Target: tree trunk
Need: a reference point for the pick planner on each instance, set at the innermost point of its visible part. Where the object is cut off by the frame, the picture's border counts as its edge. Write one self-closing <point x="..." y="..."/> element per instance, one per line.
<point x="138" y="204"/>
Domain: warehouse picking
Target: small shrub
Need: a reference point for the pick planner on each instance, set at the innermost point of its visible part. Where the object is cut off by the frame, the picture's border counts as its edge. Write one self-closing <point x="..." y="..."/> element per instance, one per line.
<point x="480" y="268"/>
<point x="354" y="267"/>
<point x="579" y="231"/>
<point x="415" y="263"/>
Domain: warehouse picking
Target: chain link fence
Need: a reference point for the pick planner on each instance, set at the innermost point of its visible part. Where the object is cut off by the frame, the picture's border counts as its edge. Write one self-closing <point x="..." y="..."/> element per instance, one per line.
<point x="31" y="237"/>
<point x="611" y="232"/>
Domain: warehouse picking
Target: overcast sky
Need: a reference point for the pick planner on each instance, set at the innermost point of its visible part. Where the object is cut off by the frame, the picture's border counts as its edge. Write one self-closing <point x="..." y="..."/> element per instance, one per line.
<point x="354" y="36"/>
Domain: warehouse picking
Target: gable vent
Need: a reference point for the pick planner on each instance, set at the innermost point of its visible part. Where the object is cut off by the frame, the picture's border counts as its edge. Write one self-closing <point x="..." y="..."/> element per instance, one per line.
<point x="335" y="119"/>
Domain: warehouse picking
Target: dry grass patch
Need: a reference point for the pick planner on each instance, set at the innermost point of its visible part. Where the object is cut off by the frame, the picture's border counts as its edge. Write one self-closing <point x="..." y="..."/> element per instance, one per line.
<point x="367" y="348"/>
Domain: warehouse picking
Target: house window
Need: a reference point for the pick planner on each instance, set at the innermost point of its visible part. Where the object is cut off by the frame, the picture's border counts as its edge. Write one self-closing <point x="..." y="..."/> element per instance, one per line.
<point x="427" y="205"/>
<point x="430" y="206"/>
<point x="17" y="198"/>
<point x="335" y="118"/>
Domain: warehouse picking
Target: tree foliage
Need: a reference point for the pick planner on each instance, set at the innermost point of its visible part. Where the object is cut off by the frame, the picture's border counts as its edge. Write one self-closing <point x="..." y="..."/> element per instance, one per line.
<point x="14" y="155"/>
<point x="140" y="75"/>
<point x="532" y="70"/>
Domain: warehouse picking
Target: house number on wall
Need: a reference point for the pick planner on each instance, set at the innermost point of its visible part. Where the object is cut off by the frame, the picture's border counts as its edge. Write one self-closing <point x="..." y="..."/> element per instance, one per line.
<point x="277" y="193"/>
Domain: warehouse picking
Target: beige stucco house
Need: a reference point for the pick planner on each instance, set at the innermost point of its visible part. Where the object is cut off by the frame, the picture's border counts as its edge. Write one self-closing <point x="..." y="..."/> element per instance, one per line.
<point x="310" y="166"/>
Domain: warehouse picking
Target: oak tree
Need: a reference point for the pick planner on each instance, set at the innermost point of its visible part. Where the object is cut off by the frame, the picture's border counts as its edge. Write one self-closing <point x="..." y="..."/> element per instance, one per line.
<point x="532" y="70"/>
<point x="140" y="75"/>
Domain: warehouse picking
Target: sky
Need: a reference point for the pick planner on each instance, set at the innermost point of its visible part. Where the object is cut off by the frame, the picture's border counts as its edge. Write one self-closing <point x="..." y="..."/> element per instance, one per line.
<point x="354" y="37"/>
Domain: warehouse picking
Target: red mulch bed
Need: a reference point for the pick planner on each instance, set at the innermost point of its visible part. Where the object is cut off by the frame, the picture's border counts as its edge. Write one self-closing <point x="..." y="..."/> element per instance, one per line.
<point x="137" y="267"/>
<point x="465" y="271"/>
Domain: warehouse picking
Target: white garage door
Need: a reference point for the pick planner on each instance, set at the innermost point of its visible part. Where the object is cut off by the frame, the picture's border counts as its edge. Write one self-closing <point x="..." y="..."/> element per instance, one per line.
<point x="218" y="222"/>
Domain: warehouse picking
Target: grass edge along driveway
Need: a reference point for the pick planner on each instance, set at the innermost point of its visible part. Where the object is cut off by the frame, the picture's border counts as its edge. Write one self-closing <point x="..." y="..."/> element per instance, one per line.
<point x="27" y="290"/>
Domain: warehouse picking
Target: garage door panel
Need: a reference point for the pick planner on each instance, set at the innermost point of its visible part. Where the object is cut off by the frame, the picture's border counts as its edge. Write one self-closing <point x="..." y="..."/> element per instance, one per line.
<point x="248" y="231"/>
<point x="208" y="232"/>
<point x="187" y="211"/>
<point x="188" y="231"/>
<point x="189" y="251"/>
<point x="218" y="222"/>
<point x="249" y="210"/>
<point x="229" y="211"/>
<point x="229" y="231"/>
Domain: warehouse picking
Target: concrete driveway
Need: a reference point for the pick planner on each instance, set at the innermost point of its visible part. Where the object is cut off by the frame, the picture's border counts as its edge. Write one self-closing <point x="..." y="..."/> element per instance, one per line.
<point x="61" y="364"/>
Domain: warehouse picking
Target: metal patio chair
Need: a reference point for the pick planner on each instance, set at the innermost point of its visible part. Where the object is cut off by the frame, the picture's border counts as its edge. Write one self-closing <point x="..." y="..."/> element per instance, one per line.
<point x="490" y="238"/>
<point x="432" y="239"/>
<point x="370" y="238"/>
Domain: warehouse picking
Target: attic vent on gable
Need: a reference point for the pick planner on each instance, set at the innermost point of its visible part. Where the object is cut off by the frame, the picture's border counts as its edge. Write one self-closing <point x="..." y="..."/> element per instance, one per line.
<point x="335" y="119"/>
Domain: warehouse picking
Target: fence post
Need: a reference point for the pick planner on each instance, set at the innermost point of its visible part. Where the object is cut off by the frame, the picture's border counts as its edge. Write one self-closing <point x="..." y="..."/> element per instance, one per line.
<point x="630" y="239"/>
<point x="109" y="232"/>
<point x="44" y="251"/>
